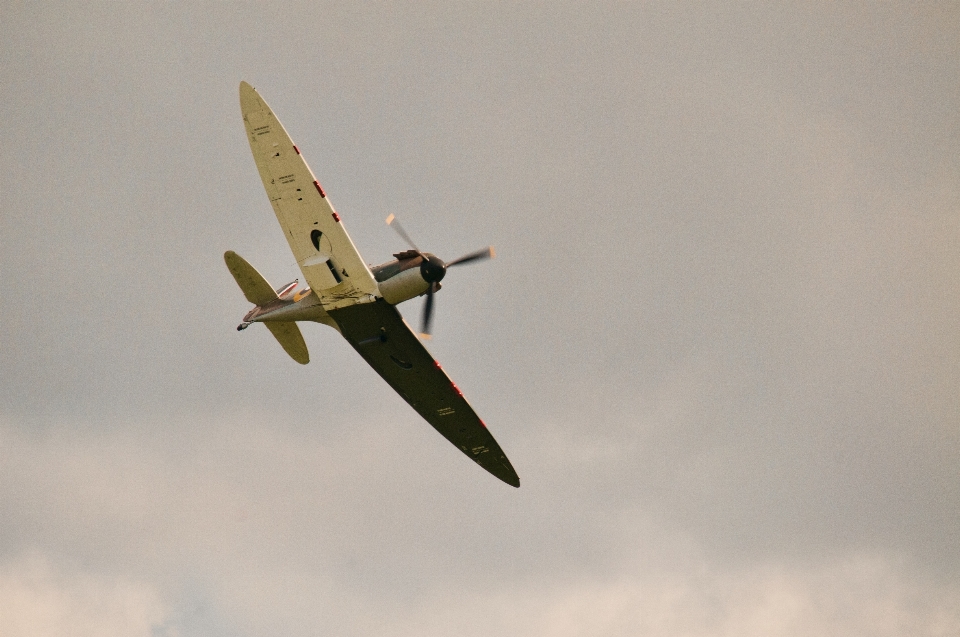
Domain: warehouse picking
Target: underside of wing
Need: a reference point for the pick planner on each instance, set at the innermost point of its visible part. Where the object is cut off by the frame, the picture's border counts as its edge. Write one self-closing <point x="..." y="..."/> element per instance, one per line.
<point x="386" y="342"/>
<point x="324" y="251"/>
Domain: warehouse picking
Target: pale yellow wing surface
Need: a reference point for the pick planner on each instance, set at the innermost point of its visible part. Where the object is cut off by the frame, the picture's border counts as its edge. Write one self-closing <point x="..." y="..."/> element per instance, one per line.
<point x="327" y="257"/>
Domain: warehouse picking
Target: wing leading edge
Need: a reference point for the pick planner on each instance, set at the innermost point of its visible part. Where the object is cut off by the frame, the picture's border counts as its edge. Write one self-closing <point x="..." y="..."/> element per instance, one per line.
<point x="381" y="336"/>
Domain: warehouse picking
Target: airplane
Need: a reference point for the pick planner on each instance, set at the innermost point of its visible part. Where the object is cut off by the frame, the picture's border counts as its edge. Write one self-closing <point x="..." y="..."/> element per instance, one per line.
<point x="357" y="300"/>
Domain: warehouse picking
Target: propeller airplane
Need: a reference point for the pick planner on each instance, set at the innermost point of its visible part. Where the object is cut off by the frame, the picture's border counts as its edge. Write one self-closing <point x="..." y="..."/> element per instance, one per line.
<point x="355" y="299"/>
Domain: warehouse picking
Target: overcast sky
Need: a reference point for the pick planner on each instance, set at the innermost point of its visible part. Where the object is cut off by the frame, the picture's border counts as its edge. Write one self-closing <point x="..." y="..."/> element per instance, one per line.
<point x="720" y="342"/>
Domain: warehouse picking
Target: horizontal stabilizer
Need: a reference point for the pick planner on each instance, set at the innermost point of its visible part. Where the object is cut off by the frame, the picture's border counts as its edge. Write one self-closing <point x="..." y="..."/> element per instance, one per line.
<point x="254" y="286"/>
<point x="289" y="336"/>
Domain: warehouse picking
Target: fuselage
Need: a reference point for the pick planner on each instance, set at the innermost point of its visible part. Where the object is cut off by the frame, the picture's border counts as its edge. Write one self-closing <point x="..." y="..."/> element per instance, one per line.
<point x="399" y="280"/>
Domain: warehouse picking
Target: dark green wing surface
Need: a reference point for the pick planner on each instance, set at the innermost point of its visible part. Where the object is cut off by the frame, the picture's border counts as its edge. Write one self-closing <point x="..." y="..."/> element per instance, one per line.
<point x="381" y="336"/>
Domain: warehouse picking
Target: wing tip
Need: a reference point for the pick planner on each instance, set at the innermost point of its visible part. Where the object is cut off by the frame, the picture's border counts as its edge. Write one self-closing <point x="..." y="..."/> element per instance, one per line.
<point x="506" y="473"/>
<point x="249" y="98"/>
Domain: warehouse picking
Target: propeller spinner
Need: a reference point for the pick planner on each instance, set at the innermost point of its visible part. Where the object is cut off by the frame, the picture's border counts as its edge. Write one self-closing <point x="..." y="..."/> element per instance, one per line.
<point x="433" y="269"/>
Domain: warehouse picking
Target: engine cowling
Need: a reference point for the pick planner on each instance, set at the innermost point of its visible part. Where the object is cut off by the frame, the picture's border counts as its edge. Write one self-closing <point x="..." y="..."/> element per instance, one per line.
<point x="404" y="285"/>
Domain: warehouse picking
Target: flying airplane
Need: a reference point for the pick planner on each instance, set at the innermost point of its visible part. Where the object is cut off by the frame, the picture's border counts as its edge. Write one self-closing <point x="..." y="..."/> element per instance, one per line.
<point x="355" y="299"/>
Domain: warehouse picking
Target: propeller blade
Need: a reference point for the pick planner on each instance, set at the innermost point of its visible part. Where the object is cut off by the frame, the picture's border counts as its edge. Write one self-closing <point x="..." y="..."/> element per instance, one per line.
<point x="393" y="223"/>
<point x="486" y="253"/>
<point x="427" y="314"/>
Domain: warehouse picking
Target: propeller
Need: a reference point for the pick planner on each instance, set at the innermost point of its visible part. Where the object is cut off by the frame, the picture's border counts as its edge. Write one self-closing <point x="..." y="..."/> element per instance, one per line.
<point x="433" y="269"/>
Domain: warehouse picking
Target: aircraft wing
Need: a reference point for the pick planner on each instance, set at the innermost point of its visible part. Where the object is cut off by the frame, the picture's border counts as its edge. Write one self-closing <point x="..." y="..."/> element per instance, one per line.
<point x="386" y="342"/>
<point x="327" y="257"/>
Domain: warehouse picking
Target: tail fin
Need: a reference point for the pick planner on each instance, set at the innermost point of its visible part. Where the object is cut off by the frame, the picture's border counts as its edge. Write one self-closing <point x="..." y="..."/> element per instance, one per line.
<point x="256" y="289"/>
